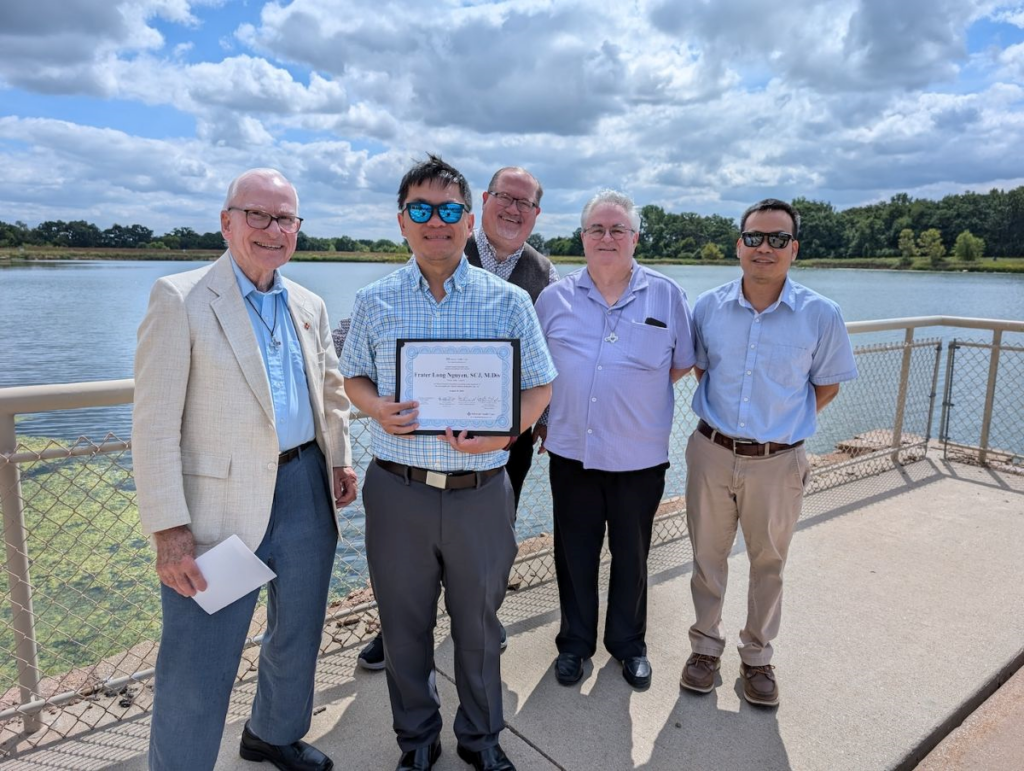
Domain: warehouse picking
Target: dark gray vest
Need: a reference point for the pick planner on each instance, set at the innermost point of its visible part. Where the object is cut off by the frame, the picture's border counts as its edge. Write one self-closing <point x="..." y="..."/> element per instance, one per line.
<point x="530" y="273"/>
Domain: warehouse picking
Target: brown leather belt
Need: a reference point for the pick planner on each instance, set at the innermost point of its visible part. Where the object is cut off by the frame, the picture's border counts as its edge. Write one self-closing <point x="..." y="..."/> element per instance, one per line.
<point x="743" y="446"/>
<point x="442" y="480"/>
<point x="289" y="455"/>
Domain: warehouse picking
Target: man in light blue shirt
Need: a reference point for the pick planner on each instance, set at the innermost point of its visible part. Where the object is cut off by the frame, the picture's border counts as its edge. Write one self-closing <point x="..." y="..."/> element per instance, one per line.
<point x="439" y="508"/>
<point x="240" y="428"/>
<point x="621" y="336"/>
<point x="770" y="355"/>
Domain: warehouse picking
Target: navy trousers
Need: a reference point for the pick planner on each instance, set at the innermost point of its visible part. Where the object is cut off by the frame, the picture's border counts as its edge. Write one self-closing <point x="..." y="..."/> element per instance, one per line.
<point x="199" y="653"/>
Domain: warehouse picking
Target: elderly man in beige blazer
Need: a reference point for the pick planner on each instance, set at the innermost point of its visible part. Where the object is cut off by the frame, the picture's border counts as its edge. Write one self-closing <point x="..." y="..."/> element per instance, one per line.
<point x="240" y="427"/>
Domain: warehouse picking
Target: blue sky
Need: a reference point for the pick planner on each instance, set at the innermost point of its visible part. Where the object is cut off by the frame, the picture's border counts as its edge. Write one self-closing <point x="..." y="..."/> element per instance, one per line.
<point x="142" y="111"/>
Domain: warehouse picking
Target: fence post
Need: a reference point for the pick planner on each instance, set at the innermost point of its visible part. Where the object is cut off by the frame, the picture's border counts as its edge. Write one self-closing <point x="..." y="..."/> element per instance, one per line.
<point x="901" y="399"/>
<point x="22" y="616"/>
<point x="990" y="395"/>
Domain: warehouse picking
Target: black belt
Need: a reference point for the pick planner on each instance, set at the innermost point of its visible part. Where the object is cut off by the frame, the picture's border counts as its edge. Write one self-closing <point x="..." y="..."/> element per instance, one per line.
<point x="289" y="455"/>
<point x="442" y="480"/>
<point x="743" y="446"/>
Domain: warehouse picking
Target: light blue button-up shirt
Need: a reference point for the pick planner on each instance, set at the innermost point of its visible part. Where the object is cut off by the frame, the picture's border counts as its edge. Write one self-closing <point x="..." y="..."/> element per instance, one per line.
<point x="286" y="373"/>
<point x="476" y="304"/>
<point x="612" y="404"/>
<point x="761" y="368"/>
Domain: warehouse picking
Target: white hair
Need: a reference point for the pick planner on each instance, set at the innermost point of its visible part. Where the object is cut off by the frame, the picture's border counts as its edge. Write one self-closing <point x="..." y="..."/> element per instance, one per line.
<point x="245" y="176"/>
<point x="618" y="199"/>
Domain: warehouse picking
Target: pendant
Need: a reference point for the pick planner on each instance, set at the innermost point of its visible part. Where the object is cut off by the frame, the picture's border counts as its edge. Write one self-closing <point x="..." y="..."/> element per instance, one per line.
<point x="611" y="338"/>
<point x="275" y="343"/>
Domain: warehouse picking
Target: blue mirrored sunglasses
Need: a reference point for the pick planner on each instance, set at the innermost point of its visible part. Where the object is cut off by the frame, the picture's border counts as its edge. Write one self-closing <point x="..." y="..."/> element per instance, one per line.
<point x="421" y="211"/>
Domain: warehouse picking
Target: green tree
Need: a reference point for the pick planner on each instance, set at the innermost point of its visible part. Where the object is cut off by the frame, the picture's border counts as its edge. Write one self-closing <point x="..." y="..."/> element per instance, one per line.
<point x="536" y="240"/>
<point x="821" y="229"/>
<point x="711" y="252"/>
<point x="907" y="247"/>
<point x="932" y="247"/>
<point x="969" y="247"/>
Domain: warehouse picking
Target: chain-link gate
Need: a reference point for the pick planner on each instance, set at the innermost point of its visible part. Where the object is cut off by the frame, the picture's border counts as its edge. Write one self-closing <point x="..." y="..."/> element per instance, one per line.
<point x="983" y="406"/>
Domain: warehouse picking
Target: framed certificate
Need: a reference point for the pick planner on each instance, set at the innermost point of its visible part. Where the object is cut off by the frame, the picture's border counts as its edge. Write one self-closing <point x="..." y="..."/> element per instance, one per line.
<point x="465" y="385"/>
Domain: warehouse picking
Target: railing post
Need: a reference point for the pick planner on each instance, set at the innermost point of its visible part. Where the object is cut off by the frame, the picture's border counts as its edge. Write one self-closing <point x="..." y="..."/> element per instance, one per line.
<point x="901" y="399"/>
<point x="990" y="395"/>
<point x="22" y="616"/>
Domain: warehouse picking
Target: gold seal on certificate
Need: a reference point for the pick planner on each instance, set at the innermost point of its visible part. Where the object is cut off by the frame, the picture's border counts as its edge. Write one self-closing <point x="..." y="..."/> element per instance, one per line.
<point x="465" y="385"/>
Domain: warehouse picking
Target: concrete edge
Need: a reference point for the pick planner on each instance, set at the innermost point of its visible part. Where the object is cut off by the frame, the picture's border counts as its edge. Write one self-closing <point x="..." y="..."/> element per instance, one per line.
<point x="969" y="705"/>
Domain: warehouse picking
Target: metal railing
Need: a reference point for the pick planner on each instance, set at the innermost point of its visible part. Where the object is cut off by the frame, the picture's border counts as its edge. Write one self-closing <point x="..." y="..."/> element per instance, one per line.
<point x="80" y="619"/>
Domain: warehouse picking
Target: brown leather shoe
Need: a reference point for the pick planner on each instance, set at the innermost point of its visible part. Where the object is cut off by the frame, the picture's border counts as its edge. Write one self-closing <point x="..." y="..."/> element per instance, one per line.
<point x="759" y="686"/>
<point x="699" y="672"/>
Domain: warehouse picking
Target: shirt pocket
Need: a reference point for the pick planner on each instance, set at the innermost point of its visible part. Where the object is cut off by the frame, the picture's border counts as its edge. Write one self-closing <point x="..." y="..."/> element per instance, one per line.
<point x="647" y="346"/>
<point x="789" y="365"/>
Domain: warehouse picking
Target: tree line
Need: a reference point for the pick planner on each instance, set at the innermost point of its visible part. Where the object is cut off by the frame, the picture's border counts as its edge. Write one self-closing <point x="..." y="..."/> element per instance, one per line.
<point x="969" y="225"/>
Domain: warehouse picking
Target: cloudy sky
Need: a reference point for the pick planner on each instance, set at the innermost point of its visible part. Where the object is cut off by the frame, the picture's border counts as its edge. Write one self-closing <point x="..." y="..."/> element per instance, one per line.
<point x="141" y="111"/>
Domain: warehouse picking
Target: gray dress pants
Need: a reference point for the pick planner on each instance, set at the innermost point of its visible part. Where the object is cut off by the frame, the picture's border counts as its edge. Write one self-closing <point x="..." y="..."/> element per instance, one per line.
<point x="418" y="539"/>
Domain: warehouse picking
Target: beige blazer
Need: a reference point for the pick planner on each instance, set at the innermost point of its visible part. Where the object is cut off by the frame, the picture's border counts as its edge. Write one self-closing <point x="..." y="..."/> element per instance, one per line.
<point x="204" y="442"/>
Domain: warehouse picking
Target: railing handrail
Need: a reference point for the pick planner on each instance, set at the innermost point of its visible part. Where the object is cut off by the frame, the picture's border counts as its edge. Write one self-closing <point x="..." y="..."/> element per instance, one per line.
<point x="16" y="400"/>
<point x="916" y="322"/>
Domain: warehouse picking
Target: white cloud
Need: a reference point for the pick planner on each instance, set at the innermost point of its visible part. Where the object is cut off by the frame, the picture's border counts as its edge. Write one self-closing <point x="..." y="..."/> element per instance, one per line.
<point x="691" y="105"/>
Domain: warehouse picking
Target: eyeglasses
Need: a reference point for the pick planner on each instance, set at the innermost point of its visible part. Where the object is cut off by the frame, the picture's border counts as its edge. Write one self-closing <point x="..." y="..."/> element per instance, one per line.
<point x="421" y="211"/>
<point x="777" y="240"/>
<point x="618" y="232"/>
<point x="260" y="220"/>
<point x="525" y="205"/>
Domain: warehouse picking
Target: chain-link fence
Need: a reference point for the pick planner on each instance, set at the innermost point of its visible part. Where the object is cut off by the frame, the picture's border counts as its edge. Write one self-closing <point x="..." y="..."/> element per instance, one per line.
<point x="982" y="418"/>
<point x="78" y="633"/>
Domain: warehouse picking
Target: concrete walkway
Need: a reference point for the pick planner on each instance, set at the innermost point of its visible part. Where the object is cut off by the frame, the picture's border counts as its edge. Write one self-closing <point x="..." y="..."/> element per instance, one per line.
<point x="903" y="614"/>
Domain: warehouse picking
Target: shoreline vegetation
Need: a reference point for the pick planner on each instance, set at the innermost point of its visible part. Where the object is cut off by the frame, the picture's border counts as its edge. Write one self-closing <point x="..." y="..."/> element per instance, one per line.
<point x="11" y="256"/>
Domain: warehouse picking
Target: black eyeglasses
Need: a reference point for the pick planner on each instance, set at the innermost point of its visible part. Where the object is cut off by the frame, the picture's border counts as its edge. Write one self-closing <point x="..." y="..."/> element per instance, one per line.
<point x="260" y="220"/>
<point x="525" y="205"/>
<point x="421" y="211"/>
<point x="777" y="240"/>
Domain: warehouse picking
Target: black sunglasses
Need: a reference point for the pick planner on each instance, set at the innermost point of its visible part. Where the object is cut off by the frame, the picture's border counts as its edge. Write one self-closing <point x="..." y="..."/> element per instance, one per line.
<point x="421" y="211"/>
<point x="775" y="240"/>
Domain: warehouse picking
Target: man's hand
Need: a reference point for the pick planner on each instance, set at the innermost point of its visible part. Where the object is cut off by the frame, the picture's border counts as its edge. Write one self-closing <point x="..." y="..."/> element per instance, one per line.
<point x="346" y="485"/>
<point x="540" y="435"/>
<point x="474" y="446"/>
<point x="175" y="561"/>
<point x="393" y="417"/>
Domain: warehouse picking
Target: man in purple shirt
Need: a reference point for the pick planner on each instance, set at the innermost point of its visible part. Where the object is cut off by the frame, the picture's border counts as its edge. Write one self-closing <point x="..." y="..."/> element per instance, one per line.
<point x="621" y="336"/>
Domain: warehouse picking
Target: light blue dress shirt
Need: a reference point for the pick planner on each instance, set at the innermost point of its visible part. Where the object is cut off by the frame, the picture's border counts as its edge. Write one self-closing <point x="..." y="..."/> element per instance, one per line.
<point x="286" y="373"/>
<point x="761" y="368"/>
<point x="476" y="304"/>
<point x="612" y="404"/>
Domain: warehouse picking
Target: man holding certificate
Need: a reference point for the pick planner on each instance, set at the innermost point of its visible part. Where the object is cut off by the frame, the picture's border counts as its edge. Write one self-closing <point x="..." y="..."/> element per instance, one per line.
<point x="450" y="363"/>
<point x="621" y="336"/>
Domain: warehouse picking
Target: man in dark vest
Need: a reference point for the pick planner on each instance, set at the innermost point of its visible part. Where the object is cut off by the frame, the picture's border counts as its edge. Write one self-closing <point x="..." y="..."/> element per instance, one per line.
<point x="510" y="208"/>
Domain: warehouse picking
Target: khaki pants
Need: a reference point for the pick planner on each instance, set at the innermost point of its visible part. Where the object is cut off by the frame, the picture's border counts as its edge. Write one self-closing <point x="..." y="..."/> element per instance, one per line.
<point x="763" y="495"/>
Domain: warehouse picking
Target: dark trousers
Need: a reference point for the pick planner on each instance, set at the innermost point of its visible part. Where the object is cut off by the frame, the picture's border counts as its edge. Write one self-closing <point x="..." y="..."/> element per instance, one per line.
<point x="419" y="538"/>
<point x="584" y="502"/>
<point x="520" y="458"/>
<point x="199" y="653"/>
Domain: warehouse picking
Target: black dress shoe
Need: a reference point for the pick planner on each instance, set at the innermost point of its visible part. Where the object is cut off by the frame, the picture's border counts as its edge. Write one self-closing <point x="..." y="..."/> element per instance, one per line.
<point x="568" y="668"/>
<point x="297" y="756"/>
<point x="421" y="758"/>
<point x="487" y="759"/>
<point x="637" y="671"/>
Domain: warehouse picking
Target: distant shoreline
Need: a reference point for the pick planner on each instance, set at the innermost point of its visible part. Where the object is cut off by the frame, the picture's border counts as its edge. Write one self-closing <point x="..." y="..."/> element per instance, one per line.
<point x="11" y="256"/>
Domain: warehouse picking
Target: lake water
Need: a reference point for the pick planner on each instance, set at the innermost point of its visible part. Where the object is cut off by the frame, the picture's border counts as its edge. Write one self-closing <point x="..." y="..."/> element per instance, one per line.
<point x="74" y="321"/>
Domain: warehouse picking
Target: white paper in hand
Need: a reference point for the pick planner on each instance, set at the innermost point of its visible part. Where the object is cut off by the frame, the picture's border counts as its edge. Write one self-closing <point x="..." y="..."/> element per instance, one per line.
<point x="231" y="571"/>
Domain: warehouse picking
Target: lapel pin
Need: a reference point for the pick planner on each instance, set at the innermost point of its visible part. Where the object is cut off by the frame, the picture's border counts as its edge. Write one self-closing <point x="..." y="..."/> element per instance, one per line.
<point x="305" y="325"/>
